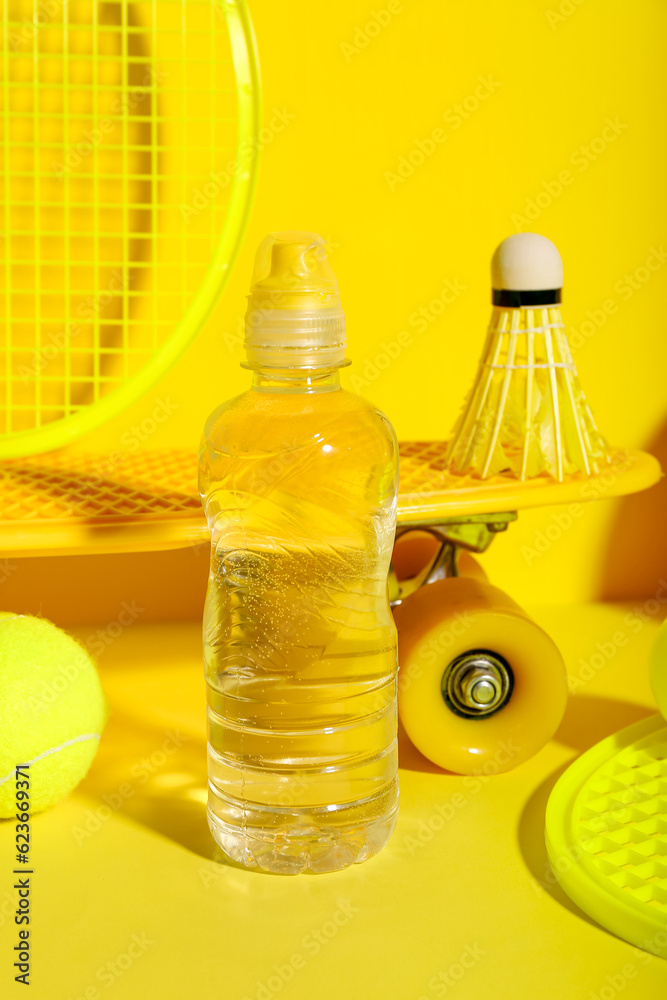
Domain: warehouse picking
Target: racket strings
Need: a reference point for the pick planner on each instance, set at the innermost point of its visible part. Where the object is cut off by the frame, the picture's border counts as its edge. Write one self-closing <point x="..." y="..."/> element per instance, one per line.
<point x="114" y="118"/>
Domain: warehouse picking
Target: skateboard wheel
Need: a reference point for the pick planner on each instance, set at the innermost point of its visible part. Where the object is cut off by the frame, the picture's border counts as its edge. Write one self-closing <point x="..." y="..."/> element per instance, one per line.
<point x="468" y="566"/>
<point x="415" y="549"/>
<point x="481" y="687"/>
<point x="658" y="669"/>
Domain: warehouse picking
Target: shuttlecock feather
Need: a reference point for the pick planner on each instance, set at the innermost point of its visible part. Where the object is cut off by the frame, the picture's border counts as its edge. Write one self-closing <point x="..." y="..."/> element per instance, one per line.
<point x="526" y="414"/>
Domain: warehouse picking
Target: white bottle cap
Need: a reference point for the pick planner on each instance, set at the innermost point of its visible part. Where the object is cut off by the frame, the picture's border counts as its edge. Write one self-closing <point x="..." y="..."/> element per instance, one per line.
<point x="294" y="317"/>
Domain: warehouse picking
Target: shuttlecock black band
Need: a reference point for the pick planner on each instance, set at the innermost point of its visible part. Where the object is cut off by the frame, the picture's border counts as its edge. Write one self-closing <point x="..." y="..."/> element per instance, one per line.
<point x="511" y="299"/>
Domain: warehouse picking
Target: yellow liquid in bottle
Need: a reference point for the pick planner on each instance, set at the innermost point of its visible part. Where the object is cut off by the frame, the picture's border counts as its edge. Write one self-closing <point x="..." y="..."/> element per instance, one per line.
<point x="299" y="484"/>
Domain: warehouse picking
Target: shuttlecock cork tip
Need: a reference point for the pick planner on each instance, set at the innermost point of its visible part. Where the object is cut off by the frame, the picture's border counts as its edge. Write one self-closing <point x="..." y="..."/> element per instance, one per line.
<point x="526" y="264"/>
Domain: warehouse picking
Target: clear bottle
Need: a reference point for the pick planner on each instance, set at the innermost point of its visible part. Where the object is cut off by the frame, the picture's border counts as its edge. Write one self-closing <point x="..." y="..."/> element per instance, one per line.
<point x="298" y="478"/>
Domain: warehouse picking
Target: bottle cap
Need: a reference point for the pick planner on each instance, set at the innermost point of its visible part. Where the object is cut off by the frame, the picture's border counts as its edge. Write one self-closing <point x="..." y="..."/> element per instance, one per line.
<point x="294" y="317"/>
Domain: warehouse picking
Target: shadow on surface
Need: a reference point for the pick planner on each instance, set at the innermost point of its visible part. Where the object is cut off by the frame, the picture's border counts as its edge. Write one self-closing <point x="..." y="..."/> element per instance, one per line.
<point x="410" y="759"/>
<point x="530" y="835"/>
<point x="588" y="719"/>
<point x="155" y="777"/>
<point x="635" y="560"/>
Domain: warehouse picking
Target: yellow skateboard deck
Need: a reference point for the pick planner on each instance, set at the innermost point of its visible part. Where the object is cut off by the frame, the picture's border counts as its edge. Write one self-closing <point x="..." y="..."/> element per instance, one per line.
<point x="68" y="503"/>
<point x="428" y="494"/>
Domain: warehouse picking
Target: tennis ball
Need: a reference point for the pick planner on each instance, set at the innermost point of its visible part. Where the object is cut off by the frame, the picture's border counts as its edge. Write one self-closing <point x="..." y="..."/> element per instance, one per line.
<point x="52" y="710"/>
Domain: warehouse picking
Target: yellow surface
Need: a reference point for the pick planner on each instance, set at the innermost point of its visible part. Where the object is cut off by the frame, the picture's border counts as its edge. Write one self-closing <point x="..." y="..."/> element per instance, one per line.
<point x="465" y="869"/>
<point x="428" y="244"/>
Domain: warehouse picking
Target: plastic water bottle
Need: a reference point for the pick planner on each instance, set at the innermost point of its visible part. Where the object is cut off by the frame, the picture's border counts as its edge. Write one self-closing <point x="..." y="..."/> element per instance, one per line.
<point x="298" y="479"/>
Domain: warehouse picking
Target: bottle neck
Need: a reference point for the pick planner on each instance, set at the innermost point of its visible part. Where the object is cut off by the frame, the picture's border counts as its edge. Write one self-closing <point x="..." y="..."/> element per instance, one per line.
<point x="287" y="380"/>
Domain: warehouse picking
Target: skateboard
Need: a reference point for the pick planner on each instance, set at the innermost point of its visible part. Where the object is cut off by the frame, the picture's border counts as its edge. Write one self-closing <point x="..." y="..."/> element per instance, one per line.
<point x="481" y="686"/>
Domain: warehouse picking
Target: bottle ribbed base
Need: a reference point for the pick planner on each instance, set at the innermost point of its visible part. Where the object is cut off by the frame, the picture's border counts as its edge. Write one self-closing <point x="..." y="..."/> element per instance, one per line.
<point x="309" y="849"/>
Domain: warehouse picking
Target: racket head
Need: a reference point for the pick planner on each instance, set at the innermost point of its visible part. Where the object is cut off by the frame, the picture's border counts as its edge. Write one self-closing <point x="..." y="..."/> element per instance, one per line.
<point x="130" y="138"/>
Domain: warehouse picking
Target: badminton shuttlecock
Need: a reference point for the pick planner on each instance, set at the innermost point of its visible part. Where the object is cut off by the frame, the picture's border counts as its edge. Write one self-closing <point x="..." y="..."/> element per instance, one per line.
<point x="526" y="414"/>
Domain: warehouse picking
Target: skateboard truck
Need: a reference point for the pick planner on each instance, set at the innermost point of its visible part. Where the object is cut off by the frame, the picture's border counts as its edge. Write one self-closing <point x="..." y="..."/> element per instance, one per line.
<point x="473" y="532"/>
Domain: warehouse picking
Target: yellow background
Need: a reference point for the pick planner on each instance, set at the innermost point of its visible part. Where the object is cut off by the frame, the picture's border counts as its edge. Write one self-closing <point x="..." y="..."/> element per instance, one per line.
<point x="357" y="110"/>
<point x="363" y="88"/>
<point x="129" y="854"/>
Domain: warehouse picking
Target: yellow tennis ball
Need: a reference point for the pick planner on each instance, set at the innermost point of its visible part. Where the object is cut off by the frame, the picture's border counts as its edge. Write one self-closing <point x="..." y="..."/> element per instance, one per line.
<point x="52" y="711"/>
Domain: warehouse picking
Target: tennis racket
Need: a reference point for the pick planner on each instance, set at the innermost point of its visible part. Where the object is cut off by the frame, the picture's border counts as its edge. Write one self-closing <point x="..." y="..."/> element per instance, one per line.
<point x="129" y="151"/>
